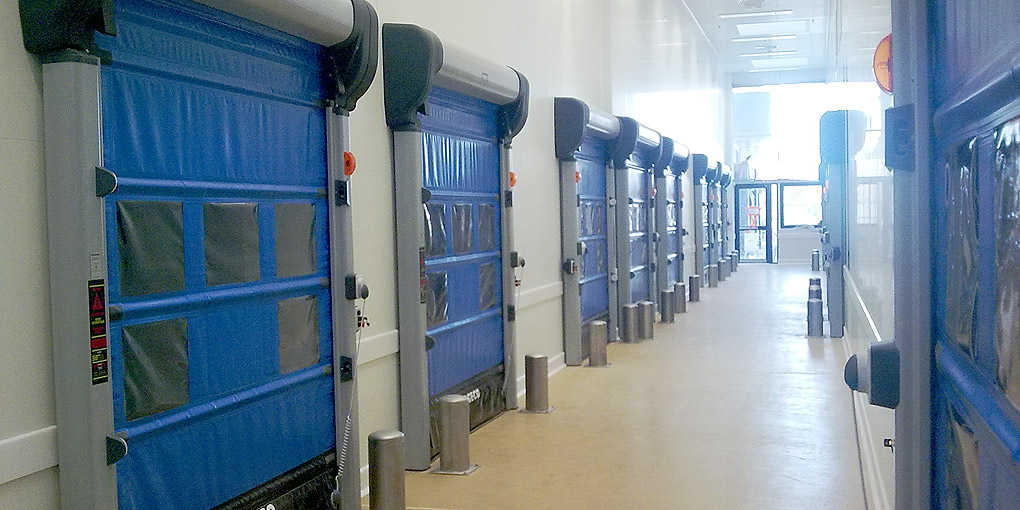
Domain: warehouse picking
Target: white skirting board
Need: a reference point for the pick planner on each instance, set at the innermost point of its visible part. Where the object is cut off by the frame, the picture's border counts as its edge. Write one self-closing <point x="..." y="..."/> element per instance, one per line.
<point x="28" y="453"/>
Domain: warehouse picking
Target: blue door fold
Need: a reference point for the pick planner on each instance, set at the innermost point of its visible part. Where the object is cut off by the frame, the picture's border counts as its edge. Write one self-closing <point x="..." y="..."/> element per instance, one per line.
<point x="218" y="253"/>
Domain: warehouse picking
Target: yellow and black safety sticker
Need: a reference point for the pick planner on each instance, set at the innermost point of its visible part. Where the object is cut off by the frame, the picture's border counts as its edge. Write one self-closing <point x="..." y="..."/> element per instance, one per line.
<point x="98" y="332"/>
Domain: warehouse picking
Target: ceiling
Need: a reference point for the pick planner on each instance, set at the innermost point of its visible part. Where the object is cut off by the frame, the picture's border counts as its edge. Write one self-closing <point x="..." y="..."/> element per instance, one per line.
<point x="788" y="41"/>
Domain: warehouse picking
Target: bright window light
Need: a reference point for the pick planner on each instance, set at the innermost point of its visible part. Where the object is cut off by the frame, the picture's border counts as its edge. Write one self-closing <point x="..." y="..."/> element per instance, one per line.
<point x="790" y="150"/>
<point x="802" y="205"/>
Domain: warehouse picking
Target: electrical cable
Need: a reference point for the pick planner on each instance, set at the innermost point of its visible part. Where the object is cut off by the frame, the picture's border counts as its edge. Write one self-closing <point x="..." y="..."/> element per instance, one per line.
<point x="344" y="444"/>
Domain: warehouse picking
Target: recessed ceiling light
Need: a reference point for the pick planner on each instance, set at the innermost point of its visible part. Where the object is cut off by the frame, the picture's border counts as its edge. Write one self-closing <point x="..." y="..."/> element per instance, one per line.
<point x="769" y="54"/>
<point x="772" y="28"/>
<point x="774" y="70"/>
<point x="775" y="63"/>
<point x="784" y="37"/>
<point x="755" y="14"/>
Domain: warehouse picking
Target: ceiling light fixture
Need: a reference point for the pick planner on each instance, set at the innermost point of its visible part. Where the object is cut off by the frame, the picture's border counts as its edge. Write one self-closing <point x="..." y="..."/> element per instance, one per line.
<point x="774" y="70"/>
<point x="784" y="37"/>
<point x="769" y="54"/>
<point x="755" y="14"/>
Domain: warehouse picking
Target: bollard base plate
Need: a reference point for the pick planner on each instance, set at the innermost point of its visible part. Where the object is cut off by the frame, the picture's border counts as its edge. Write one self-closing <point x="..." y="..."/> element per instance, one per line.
<point x="547" y="411"/>
<point x="589" y="365"/>
<point x="472" y="469"/>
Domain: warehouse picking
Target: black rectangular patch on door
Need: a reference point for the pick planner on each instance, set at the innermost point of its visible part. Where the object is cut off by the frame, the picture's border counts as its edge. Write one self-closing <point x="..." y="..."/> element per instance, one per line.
<point x="295" y="239"/>
<point x="231" y="243"/>
<point x="298" y="320"/>
<point x="150" y="239"/>
<point x="155" y="367"/>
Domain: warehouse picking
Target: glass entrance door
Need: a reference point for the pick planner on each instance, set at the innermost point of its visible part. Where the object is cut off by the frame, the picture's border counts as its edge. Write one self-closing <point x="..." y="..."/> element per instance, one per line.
<point x="756" y="240"/>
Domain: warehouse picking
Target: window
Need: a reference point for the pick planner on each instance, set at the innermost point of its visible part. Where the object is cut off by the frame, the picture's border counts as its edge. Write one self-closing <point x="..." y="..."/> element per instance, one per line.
<point x="802" y="204"/>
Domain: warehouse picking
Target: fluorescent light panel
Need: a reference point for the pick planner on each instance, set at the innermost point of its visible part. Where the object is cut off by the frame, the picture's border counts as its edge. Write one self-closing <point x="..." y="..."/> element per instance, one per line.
<point x="784" y="37"/>
<point x="772" y="28"/>
<point x="755" y="14"/>
<point x="773" y="63"/>
<point x="769" y="54"/>
<point x="774" y="70"/>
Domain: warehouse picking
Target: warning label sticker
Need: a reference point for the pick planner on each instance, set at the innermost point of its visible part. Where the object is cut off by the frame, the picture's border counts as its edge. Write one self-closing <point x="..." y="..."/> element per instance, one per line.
<point x="98" y="333"/>
<point x="423" y="280"/>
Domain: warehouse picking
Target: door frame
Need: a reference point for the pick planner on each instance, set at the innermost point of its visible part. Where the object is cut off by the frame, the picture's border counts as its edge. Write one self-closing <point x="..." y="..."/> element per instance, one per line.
<point x="769" y="234"/>
<point x="912" y="274"/>
<point x="415" y="60"/>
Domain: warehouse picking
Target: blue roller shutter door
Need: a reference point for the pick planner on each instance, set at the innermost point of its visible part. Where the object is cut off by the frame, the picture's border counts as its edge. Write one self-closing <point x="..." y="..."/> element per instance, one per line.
<point x="463" y="263"/>
<point x="639" y="193"/>
<point x="975" y="176"/>
<point x="674" y="229"/>
<point x="592" y="216"/>
<point x="218" y="253"/>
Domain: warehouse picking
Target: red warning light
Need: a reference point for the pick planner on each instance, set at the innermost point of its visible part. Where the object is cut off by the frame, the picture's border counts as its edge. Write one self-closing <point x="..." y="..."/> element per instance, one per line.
<point x="513" y="179"/>
<point x="577" y="176"/>
<point x="350" y="164"/>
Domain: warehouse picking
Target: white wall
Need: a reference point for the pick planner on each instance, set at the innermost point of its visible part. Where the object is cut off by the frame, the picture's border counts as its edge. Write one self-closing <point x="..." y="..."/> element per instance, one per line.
<point x="667" y="75"/>
<point x="870" y="296"/>
<point x="563" y="49"/>
<point x="27" y="444"/>
<point x="796" y="243"/>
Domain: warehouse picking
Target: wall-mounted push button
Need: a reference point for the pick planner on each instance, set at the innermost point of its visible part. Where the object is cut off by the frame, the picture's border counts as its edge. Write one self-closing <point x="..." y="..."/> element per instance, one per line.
<point x="876" y="373"/>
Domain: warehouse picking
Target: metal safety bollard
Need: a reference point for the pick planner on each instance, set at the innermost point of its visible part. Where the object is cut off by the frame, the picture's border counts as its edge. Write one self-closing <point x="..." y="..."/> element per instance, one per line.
<point x="815" y="288"/>
<point x="736" y="260"/>
<point x="455" y="436"/>
<point x="646" y="320"/>
<point x="713" y="275"/>
<point x="386" y="470"/>
<point x="679" y="297"/>
<point x="733" y="263"/>
<point x="629" y="323"/>
<point x="816" y="260"/>
<point x="695" y="288"/>
<point x="667" y="307"/>
<point x="724" y="269"/>
<point x="814" y="317"/>
<point x="598" y="337"/>
<point x="536" y="382"/>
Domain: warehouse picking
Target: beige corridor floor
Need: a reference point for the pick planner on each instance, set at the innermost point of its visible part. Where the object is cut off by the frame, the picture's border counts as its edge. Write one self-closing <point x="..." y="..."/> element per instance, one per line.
<point x="730" y="407"/>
